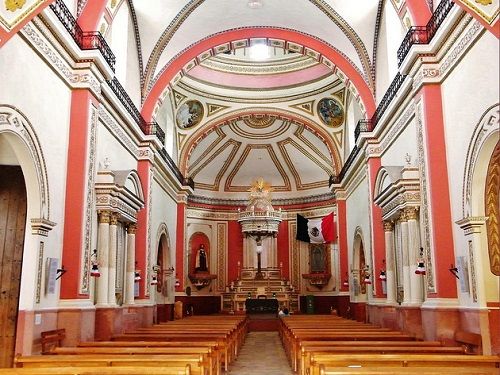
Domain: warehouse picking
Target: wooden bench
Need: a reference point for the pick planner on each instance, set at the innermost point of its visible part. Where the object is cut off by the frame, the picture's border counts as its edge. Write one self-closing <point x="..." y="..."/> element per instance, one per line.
<point x="198" y="366"/>
<point x="52" y="339"/>
<point x="142" y="370"/>
<point x="207" y="352"/>
<point x="428" y="370"/>
<point x="472" y="342"/>
<point x="401" y="360"/>
<point x="308" y="351"/>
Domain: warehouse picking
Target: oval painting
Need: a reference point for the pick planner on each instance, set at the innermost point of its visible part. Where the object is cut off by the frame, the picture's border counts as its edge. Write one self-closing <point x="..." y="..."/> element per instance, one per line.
<point x="330" y="112"/>
<point x="189" y="114"/>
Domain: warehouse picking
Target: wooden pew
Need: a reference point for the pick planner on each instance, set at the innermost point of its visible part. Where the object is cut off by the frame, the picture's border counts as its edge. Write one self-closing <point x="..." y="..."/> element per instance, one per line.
<point x="208" y="353"/>
<point x="156" y="370"/>
<point x="198" y="366"/>
<point x="308" y="351"/>
<point x="401" y="360"/>
<point x="52" y="339"/>
<point x="434" y="370"/>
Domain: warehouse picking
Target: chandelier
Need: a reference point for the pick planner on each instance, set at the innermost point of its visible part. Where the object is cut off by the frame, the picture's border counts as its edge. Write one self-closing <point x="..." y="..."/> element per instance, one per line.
<point x="259" y="219"/>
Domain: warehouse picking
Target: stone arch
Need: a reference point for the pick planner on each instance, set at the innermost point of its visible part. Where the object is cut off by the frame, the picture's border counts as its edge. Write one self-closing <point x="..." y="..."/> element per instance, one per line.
<point x="481" y="178"/>
<point x="359" y="263"/>
<point x="21" y="136"/>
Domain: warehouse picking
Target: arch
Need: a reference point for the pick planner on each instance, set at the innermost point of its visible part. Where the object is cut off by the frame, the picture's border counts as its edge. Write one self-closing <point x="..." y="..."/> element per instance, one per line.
<point x="419" y="10"/>
<point x="202" y="131"/>
<point x="359" y="265"/>
<point x="163" y="241"/>
<point x="176" y="65"/>
<point x="196" y="241"/>
<point x="90" y="14"/>
<point x="478" y="155"/>
<point x="21" y="135"/>
<point x="385" y="177"/>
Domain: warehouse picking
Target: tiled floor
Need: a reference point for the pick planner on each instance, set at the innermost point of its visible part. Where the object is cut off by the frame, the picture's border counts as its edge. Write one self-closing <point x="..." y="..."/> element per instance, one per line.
<point x="261" y="354"/>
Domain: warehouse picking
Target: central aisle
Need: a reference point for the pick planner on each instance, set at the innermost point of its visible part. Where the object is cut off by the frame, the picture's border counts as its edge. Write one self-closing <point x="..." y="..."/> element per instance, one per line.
<point x="261" y="354"/>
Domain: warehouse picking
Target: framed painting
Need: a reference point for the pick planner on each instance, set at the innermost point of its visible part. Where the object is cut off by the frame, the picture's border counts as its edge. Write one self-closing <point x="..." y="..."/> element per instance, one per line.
<point x="189" y="114"/>
<point x="330" y="112"/>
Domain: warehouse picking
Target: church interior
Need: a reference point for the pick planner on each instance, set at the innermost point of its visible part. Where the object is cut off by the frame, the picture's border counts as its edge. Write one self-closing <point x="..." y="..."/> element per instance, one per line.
<point x="181" y="170"/>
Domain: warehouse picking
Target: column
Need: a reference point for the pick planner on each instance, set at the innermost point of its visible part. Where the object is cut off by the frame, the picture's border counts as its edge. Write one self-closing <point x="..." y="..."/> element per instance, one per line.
<point x="389" y="262"/>
<point x="406" y="262"/>
<point x="416" y="281"/>
<point x="103" y="257"/>
<point x="112" y="258"/>
<point x="130" y="265"/>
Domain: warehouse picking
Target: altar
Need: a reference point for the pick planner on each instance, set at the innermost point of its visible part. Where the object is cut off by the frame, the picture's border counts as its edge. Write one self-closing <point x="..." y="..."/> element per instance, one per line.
<point x="261" y="305"/>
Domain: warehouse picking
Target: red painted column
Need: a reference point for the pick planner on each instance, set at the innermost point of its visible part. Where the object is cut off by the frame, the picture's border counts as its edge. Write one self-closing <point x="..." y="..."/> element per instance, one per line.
<point x="378" y="235"/>
<point x="141" y="237"/>
<point x="180" y="234"/>
<point x="76" y="183"/>
<point x="284" y="249"/>
<point x="439" y="192"/>
<point x="91" y="14"/>
<point x="342" y="243"/>
<point x="420" y="12"/>
<point x="235" y="249"/>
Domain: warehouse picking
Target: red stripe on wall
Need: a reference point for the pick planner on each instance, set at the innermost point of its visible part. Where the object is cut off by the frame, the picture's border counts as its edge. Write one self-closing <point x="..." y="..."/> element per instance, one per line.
<point x="284" y="249"/>
<point x="91" y="14"/>
<point x="439" y="190"/>
<point x="141" y="238"/>
<point x="378" y="244"/>
<point x="234" y="250"/>
<point x="342" y="243"/>
<point x="179" y="245"/>
<point x="76" y="180"/>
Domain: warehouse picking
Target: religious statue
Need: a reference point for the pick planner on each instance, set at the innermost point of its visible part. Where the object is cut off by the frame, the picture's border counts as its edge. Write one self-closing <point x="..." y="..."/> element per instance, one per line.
<point x="201" y="260"/>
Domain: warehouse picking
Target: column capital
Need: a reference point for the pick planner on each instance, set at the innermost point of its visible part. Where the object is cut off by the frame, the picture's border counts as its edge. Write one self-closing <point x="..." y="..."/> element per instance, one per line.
<point x="410" y="213"/>
<point x="132" y="228"/>
<point x="402" y="217"/>
<point x="104" y="216"/>
<point x="114" y="218"/>
<point x="388" y="226"/>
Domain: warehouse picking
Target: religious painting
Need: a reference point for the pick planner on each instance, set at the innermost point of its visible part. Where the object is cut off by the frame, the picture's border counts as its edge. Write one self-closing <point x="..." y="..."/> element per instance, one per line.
<point x="189" y="114"/>
<point x="318" y="261"/>
<point x="330" y="112"/>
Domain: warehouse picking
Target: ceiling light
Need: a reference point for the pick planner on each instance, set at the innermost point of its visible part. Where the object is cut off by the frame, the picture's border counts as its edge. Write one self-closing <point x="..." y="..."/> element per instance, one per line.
<point x="259" y="51"/>
<point x="254" y="4"/>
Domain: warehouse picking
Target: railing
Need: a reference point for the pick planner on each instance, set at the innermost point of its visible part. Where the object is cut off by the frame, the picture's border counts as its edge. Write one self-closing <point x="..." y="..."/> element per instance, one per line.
<point x="87" y="40"/>
<point x="186" y="181"/>
<point x="148" y="128"/>
<point x="391" y="92"/>
<point x="337" y="179"/>
<point x="362" y="126"/>
<point x="424" y="34"/>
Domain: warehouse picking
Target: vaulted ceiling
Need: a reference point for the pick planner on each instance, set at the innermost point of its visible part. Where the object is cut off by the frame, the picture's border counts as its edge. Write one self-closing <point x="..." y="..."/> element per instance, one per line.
<point x="234" y="116"/>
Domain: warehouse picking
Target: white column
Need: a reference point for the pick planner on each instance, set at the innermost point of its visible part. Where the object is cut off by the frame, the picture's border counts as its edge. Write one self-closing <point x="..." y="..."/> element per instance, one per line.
<point x="416" y="281"/>
<point x="389" y="262"/>
<point x="406" y="262"/>
<point x="130" y="265"/>
<point x="113" y="243"/>
<point x="103" y="257"/>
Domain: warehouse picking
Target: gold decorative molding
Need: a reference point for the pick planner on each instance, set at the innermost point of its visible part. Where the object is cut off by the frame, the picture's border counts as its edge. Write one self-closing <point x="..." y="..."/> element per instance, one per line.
<point x="113" y="219"/>
<point x="104" y="217"/>
<point x="307" y="107"/>
<point x="411" y="213"/>
<point x="132" y="228"/>
<point x="492" y="208"/>
<point x="212" y="109"/>
<point x="388" y="226"/>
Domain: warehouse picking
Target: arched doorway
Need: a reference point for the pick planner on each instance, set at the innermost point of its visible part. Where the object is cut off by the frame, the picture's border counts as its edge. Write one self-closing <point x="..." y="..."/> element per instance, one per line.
<point x="359" y="272"/>
<point x="164" y="290"/>
<point x="13" y="203"/>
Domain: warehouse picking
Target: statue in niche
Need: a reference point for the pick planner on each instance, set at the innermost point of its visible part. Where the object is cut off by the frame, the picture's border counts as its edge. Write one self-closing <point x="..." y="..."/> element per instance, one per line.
<point x="201" y="260"/>
<point x="317" y="258"/>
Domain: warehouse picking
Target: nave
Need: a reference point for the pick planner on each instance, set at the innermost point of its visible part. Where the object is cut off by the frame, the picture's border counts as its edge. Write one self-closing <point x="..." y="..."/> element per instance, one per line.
<point x="215" y="345"/>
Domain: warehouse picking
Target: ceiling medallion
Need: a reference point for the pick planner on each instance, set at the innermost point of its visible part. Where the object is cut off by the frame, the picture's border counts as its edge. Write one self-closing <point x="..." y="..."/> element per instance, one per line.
<point x="259" y="121"/>
<point x="255" y="4"/>
<point x="189" y="114"/>
<point x="330" y="112"/>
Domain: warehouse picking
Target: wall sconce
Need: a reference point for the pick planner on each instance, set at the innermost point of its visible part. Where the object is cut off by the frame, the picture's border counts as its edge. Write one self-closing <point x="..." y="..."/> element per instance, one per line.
<point x="60" y="271"/>
<point x="346" y="280"/>
<point x="383" y="276"/>
<point x="94" y="270"/>
<point x="454" y="271"/>
<point x="154" y="280"/>
<point x="421" y="265"/>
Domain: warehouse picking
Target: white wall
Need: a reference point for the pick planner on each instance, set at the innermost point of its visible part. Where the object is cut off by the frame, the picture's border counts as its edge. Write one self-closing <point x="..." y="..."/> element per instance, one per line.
<point x="33" y="88"/>
<point x="467" y="92"/>
<point x="404" y="143"/>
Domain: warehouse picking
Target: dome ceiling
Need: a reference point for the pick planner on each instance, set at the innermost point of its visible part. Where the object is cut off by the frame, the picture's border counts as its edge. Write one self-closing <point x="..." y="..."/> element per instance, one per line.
<point x="235" y="116"/>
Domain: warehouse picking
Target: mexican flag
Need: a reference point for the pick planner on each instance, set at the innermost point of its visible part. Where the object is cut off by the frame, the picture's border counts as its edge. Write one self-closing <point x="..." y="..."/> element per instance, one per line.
<point x="316" y="230"/>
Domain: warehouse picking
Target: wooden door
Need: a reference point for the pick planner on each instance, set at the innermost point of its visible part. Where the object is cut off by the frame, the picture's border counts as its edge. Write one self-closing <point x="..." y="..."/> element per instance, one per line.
<point x="12" y="226"/>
